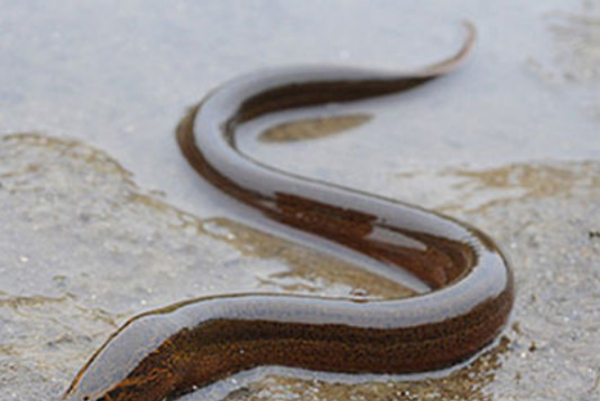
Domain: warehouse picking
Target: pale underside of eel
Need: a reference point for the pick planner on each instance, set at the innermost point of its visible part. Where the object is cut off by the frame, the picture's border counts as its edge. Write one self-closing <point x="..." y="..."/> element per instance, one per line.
<point x="165" y="353"/>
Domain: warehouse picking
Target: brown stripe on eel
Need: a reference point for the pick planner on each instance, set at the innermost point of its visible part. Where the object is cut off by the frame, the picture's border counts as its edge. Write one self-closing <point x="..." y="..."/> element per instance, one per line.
<point x="166" y="353"/>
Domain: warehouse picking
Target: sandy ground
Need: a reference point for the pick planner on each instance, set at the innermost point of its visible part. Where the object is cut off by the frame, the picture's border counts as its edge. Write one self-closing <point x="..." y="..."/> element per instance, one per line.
<point x="84" y="249"/>
<point x="98" y="229"/>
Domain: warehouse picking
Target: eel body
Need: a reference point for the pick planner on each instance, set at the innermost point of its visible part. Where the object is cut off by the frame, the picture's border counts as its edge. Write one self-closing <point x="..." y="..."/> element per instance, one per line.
<point x="163" y="354"/>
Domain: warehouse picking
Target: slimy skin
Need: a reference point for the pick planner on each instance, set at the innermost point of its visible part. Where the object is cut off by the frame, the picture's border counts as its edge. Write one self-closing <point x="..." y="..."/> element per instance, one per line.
<point x="163" y="354"/>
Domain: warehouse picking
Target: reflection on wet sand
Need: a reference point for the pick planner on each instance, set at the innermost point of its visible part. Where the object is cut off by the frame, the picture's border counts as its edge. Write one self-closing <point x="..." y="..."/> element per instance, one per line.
<point x="313" y="128"/>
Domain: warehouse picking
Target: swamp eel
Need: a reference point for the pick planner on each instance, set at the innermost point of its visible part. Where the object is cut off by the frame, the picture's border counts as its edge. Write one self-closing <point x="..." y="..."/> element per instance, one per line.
<point x="166" y="353"/>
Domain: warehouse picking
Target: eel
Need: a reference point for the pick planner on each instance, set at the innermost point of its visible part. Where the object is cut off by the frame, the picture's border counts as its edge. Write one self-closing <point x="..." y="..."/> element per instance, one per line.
<point x="169" y="352"/>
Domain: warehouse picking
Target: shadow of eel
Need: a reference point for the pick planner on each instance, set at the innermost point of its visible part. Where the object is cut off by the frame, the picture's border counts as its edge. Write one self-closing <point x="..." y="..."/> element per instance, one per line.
<point x="163" y="354"/>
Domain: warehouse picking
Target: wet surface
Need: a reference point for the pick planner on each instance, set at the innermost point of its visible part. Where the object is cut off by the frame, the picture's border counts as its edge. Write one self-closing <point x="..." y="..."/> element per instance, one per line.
<point x="508" y="144"/>
<point x="84" y="249"/>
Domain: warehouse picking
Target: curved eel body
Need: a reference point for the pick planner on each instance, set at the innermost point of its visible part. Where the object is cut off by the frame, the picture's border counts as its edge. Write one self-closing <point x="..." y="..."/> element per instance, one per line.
<point x="166" y="353"/>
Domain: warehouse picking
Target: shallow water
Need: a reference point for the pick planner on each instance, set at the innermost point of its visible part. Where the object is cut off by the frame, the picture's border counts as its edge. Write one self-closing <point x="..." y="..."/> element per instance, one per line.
<point x="509" y="143"/>
<point x="119" y="75"/>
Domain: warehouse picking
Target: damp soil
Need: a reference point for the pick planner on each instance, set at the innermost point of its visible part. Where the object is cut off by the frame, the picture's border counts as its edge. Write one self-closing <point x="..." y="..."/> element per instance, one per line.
<point x="101" y="219"/>
<point x="84" y="248"/>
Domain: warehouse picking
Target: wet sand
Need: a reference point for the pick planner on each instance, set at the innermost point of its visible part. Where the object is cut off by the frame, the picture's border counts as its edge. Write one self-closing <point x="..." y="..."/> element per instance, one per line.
<point x="96" y="229"/>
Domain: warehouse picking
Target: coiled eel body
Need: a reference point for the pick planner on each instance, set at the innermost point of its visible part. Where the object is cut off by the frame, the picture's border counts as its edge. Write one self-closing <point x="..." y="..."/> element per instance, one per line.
<point x="165" y="353"/>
